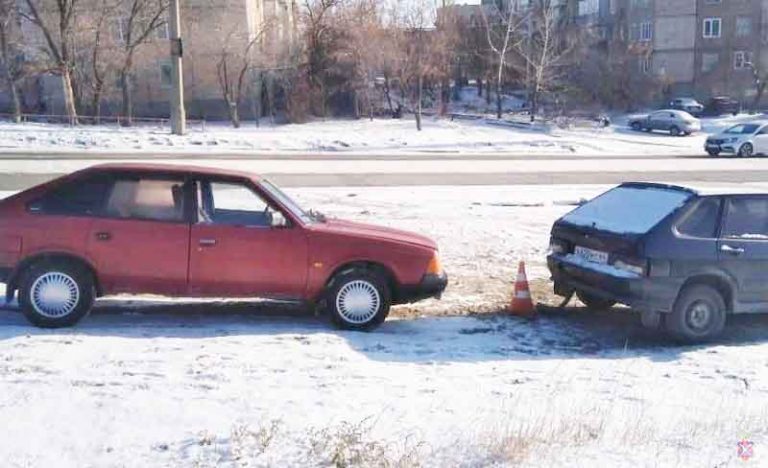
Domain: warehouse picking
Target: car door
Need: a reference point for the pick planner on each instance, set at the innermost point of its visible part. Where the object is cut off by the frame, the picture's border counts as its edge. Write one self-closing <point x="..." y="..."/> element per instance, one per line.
<point x="761" y="140"/>
<point x="743" y="246"/>
<point x="243" y="245"/>
<point x="657" y="120"/>
<point x="141" y="242"/>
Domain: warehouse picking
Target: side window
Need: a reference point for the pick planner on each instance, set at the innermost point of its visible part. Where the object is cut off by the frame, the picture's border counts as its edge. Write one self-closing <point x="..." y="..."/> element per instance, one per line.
<point x="78" y="198"/>
<point x="149" y="199"/>
<point x="763" y="131"/>
<point x="746" y="218"/>
<point x="701" y="221"/>
<point x="233" y="204"/>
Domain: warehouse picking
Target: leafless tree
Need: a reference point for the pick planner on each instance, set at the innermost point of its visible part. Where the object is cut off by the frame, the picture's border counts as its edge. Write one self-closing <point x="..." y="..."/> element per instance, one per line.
<point x="503" y="33"/>
<point x="137" y="21"/>
<point x="99" y="66"/>
<point x="236" y="59"/>
<point x="321" y="39"/>
<point x="545" y="50"/>
<point x="11" y="71"/>
<point x="56" y="20"/>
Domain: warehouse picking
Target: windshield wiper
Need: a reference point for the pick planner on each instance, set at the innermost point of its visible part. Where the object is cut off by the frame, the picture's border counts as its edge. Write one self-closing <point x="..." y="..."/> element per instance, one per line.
<point x="317" y="216"/>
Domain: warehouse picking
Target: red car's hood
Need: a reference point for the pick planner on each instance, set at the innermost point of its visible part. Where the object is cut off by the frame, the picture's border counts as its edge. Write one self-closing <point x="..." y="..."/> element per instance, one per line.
<point x="339" y="226"/>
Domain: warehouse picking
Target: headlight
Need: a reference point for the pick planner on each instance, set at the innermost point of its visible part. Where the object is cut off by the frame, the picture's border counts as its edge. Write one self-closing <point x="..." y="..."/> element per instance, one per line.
<point x="733" y="140"/>
<point x="435" y="266"/>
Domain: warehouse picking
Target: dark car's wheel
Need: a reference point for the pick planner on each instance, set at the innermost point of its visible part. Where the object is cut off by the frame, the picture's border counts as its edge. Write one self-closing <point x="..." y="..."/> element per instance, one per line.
<point x="698" y="315"/>
<point x="358" y="299"/>
<point x="56" y="294"/>
<point x="746" y="150"/>
<point x="636" y="126"/>
<point x="674" y="130"/>
<point x="594" y="302"/>
<point x="713" y="153"/>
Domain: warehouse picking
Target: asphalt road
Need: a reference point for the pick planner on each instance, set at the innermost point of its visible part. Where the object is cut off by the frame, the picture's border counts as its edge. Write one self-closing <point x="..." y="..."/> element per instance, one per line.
<point x="20" y="170"/>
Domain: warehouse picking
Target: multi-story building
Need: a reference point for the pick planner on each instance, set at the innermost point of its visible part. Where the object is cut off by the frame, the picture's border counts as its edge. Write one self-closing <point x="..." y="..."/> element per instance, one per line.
<point x="210" y="29"/>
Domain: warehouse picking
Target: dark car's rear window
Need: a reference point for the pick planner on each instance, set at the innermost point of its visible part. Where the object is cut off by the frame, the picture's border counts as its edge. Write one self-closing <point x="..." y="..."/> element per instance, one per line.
<point x="628" y="209"/>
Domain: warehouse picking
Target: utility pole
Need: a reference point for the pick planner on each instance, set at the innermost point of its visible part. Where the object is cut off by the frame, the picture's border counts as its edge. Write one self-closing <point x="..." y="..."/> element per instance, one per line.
<point x="178" y="114"/>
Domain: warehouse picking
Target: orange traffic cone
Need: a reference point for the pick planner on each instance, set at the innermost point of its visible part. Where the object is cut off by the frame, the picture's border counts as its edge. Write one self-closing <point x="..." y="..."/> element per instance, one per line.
<point x="522" y="304"/>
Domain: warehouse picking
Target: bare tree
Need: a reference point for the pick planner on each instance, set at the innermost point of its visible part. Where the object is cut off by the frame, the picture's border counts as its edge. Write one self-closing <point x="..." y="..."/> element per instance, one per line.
<point x="137" y="21"/>
<point x="98" y="65"/>
<point x="411" y="34"/>
<point x="503" y="35"/>
<point x="11" y="72"/>
<point x="321" y="39"/>
<point x="237" y="56"/>
<point x="56" y="23"/>
<point x="545" y="50"/>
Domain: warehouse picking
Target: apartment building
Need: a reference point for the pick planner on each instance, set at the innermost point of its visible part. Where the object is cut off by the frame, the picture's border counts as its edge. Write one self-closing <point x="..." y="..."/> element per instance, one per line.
<point x="699" y="48"/>
<point x="209" y="29"/>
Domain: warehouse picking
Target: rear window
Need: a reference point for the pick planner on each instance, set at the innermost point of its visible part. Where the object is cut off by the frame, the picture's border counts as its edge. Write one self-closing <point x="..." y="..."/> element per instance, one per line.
<point x="79" y="198"/>
<point x="628" y="210"/>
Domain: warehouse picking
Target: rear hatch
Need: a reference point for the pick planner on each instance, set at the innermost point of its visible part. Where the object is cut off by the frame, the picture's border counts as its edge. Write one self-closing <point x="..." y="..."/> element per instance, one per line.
<point x="607" y="232"/>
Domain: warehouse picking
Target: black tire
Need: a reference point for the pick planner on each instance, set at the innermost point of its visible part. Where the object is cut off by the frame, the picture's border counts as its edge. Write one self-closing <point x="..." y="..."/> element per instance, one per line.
<point x="698" y="315"/>
<point x="366" y="281"/>
<point x="636" y="126"/>
<point x="674" y="130"/>
<point x="713" y="153"/>
<point x="594" y="302"/>
<point x="746" y="150"/>
<point x="81" y="302"/>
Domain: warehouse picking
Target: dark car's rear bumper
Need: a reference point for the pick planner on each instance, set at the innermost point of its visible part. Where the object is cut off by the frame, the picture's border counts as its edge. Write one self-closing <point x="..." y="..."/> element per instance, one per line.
<point x="430" y="286"/>
<point x="641" y="293"/>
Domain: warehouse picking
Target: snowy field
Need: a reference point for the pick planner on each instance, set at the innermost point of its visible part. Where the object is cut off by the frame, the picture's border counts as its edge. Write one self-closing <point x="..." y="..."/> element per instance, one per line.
<point x="381" y="136"/>
<point x="175" y="383"/>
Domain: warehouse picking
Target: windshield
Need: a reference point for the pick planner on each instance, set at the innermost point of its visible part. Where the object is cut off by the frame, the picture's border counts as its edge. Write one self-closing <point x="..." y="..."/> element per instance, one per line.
<point x="743" y="129"/>
<point x="627" y="209"/>
<point x="286" y="201"/>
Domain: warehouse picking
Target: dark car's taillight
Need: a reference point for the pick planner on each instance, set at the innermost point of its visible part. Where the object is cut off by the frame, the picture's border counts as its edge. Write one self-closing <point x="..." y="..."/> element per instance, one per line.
<point x="559" y="246"/>
<point x="636" y="266"/>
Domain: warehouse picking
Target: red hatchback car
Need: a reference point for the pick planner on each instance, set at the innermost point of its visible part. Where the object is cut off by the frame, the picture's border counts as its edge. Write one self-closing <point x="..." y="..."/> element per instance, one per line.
<point x="189" y="231"/>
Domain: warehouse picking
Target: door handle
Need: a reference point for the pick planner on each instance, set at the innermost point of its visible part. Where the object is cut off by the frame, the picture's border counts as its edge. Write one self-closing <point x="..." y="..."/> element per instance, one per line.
<point x="207" y="242"/>
<point x="103" y="236"/>
<point x="736" y="251"/>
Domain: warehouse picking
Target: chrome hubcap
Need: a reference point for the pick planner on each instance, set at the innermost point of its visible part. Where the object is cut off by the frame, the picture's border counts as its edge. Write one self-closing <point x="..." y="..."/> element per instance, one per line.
<point x="699" y="315"/>
<point x="358" y="302"/>
<point x="54" y="294"/>
<point x="747" y="150"/>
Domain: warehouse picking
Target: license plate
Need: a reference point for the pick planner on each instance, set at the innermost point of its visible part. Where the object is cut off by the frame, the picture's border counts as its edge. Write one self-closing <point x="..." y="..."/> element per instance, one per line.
<point x="594" y="256"/>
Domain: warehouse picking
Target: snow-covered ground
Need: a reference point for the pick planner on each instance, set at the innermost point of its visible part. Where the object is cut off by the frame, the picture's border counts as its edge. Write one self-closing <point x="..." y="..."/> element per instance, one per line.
<point x="381" y="136"/>
<point x="252" y="384"/>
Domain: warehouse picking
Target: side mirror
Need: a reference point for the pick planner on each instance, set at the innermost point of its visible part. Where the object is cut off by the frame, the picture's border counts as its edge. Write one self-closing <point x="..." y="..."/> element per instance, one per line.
<point x="279" y="220"/>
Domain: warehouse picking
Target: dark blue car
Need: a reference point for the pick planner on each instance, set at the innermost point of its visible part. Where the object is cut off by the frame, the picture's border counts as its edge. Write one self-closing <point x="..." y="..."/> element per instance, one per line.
<point x="684" y="258"/>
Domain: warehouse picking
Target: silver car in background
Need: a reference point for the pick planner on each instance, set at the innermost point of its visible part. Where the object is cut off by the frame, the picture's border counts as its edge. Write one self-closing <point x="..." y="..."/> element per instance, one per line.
<point x="675" y="122"/>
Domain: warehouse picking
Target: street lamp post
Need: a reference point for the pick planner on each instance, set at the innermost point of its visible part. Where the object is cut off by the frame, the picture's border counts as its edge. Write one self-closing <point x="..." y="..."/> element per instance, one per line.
<point x="178" y="114"/>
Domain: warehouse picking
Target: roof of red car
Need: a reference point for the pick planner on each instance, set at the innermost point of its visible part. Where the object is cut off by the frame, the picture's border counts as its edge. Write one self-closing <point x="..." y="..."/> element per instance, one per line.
<point x="169" y="168"/>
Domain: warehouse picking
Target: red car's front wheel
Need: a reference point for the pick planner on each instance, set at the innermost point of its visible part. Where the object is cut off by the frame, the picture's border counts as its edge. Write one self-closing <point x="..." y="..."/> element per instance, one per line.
<point x="358" y="299"/>
<point x="56" y="294"/>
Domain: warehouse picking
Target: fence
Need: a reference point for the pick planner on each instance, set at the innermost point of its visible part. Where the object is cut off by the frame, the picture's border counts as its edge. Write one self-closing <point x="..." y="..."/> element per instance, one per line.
<point x="102" y="120"/>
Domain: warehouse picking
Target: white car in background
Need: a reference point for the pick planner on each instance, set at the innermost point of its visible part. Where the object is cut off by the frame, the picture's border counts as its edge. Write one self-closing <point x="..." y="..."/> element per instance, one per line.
<point x="745" y="140"/>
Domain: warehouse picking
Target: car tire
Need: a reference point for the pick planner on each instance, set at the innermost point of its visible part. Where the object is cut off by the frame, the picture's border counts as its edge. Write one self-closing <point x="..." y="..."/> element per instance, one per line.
<point x="746" y="150"/>
<point x="358" y="299"/>
<point x="56" y="294"/>
<point x="636" y="126"/>
<point x="594" y="302"/>
<point x="674" y="130"/>
<point x="713" y="153"/>
<point x="698" y="315"/>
